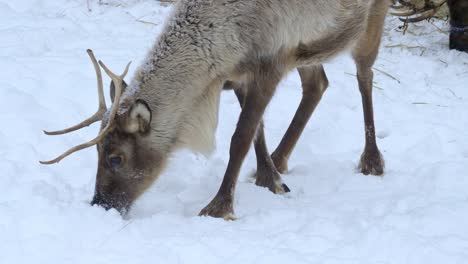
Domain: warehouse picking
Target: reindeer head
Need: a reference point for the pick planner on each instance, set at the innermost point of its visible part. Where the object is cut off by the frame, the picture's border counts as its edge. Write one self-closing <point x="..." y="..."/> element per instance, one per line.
<point x="128" y="163"/>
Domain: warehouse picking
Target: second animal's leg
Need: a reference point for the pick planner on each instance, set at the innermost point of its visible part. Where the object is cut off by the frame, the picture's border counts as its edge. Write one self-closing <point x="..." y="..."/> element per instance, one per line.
<point x="267" y="175"/>
<point x="314" y="84"/>
<point x="260" y="89"/>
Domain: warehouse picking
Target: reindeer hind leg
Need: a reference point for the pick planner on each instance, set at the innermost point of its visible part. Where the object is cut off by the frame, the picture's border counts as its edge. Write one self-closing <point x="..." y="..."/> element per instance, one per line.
<point x="267" y="175"/>
<point x="314" y="83"/>
<point x="364" y="55"/>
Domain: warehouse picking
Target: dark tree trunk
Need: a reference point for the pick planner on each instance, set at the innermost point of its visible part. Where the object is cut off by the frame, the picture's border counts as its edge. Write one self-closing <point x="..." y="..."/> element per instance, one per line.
<point x="459" y="24"/>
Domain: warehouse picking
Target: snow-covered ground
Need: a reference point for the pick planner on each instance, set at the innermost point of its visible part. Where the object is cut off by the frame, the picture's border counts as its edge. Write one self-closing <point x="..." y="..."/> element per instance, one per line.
<point x="416" y="213"/>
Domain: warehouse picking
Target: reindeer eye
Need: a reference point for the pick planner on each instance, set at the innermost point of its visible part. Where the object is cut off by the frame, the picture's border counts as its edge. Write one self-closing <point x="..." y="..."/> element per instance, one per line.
<point x="115" y="161"/>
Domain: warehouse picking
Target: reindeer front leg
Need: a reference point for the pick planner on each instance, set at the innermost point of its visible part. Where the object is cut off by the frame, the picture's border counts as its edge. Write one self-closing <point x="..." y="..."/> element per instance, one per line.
<point x="259" y="92"/>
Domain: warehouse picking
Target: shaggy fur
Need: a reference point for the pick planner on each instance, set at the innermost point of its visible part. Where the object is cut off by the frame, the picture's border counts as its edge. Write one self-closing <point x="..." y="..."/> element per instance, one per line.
<point x="208" y="42"/>
<point x="205" y="40"/>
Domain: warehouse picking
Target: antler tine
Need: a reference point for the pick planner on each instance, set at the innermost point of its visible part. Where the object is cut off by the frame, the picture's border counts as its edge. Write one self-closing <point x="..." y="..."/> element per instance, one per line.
<point x="118" y="79"/>
<point x="406" y="13"/>
<point x="426" y="15"/>
<point x="90" y="143"/>
<point x="76" y="148"/>
<point x="425" y="12"/>
<point x="102" y="103"/>
<point x="113" y="76"/>
<point x="102" y="100"/>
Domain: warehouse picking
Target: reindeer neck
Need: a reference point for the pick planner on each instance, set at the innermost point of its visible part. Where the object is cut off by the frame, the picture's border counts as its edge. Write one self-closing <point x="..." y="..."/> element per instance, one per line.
<point x="180" y="86"/>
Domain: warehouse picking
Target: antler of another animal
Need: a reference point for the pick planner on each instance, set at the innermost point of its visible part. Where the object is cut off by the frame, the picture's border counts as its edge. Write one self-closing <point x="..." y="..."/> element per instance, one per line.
<point x="415" y="14"/>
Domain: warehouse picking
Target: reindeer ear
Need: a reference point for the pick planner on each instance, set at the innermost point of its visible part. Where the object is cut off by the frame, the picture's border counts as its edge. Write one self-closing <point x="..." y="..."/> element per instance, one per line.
<point x="112" y="89"/>
<point x="137" y="119"/>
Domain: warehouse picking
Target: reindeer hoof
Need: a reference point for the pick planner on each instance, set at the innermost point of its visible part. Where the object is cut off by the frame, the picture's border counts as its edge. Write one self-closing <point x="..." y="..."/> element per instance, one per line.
<point x="372" y="162"/>
<point x="271" y="179"/>
<point x="219" y="207"/>
<point x="281" y="163"/>
<point x="275" y="186"/>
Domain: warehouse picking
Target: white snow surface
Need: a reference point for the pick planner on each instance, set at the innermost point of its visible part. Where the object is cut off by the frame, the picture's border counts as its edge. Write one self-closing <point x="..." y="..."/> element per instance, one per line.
<point x="416" y="213"/>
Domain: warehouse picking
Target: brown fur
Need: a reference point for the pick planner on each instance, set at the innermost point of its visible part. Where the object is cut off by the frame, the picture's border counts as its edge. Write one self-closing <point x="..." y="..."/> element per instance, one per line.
<point x="172" y="101"/>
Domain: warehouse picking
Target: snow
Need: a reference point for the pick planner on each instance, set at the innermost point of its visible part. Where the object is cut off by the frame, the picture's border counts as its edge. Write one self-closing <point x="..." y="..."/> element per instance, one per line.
<point x="416" y="213"/>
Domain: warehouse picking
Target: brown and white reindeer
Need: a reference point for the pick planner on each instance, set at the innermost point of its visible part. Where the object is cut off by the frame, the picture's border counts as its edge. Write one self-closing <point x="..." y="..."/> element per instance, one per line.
<point x="249" y="45"/>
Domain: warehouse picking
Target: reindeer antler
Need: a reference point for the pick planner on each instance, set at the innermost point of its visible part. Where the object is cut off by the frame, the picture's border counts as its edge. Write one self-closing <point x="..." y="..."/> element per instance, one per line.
<point x="118" y="80"/>
<point x="102" y="103"/>
<point x="413" y="13"/>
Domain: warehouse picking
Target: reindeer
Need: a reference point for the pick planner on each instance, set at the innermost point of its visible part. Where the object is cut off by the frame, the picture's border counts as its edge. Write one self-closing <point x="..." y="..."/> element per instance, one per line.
<point x="173" y="99"/>
<point x="428" y="9"/>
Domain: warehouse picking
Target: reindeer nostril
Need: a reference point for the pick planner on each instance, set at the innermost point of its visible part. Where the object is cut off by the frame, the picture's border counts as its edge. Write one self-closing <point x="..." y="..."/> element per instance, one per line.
<point x="97" y="200"/>
<point x="119" y="203"/>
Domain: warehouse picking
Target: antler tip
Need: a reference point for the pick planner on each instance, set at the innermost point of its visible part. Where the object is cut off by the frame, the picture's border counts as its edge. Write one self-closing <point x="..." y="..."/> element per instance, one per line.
<point x="96" y="117"/>
<point x="105" y="68"/>
<point x="46" y="162"/>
